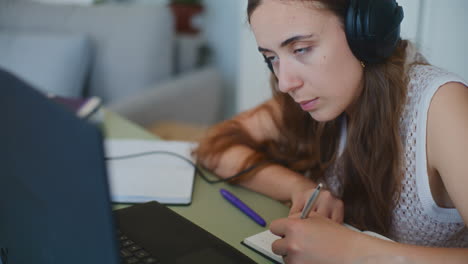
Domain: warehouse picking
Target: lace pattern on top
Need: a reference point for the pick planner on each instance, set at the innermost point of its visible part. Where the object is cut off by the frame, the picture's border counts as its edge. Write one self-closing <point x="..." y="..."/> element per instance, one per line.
<point x="416" y="218"/>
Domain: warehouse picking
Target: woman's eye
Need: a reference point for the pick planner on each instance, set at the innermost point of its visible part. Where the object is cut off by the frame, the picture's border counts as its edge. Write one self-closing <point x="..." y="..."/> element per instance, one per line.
<point x="302" y="50"/>
<point x="271" y="59"/>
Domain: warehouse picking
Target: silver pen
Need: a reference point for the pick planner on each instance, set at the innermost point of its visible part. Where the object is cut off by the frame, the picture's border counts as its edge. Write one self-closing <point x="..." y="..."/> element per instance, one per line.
<point x="305" y="212"/>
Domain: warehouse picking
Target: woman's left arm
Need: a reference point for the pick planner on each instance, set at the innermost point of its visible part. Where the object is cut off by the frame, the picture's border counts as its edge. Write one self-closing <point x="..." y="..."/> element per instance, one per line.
<point x="447" y="155"/>
<point x="447" y="142"/>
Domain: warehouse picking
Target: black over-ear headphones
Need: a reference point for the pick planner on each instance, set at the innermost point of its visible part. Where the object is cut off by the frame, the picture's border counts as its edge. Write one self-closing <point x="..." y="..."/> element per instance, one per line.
<point x="372" y="29"/>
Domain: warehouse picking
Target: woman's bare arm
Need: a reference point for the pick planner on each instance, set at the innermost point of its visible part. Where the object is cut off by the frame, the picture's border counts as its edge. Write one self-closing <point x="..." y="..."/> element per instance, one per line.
<point x="273" y="180"/>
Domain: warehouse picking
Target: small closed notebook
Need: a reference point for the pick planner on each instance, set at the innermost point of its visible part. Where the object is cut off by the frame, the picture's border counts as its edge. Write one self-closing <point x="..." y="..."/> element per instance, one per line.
<point x="142" y="170"/>
<point x="262" y="241"/>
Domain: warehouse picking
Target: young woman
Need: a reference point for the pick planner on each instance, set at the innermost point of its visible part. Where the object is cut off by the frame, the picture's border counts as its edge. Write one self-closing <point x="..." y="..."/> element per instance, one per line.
<point x="356" y="108"/>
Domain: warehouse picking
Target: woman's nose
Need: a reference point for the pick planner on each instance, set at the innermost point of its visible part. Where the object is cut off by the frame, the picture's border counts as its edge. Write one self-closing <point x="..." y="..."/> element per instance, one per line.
<point x="288" y="78"/>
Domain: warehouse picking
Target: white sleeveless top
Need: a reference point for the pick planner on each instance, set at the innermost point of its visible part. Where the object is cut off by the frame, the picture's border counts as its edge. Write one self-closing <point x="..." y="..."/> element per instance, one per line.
<point x="417" y="219"/>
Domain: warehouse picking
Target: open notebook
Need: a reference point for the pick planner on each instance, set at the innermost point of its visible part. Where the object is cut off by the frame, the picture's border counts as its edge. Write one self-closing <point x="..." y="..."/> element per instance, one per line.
<point x="262" y="241"/>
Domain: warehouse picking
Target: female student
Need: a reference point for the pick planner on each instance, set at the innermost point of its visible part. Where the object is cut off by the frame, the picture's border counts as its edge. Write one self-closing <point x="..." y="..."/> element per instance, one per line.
<point x="358" y="109"/>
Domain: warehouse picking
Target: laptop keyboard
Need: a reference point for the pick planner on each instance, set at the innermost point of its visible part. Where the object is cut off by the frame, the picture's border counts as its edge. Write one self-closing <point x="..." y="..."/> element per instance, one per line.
<point x="132" y="253"/>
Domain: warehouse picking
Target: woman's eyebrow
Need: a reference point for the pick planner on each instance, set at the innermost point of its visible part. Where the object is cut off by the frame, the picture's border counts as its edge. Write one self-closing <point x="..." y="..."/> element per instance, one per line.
<point x="288" y="41"/>
<point x="296" y="38"/>
<point x="263" y="49"/>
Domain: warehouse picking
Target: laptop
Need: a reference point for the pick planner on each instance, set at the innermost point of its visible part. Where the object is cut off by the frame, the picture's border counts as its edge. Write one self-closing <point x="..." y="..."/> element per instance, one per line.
<point x="54" y="199"/>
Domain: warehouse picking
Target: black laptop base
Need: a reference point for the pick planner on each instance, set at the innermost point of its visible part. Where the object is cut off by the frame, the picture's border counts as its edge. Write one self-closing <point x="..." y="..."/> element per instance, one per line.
<point x="183" y="242"/>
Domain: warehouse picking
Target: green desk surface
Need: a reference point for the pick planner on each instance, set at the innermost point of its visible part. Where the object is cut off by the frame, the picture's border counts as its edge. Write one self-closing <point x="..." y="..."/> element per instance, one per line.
<point x="209" y="209"/>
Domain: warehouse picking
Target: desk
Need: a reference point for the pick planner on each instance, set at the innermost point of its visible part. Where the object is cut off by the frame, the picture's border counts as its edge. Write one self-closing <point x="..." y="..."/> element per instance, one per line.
<point x="209" y="209"/>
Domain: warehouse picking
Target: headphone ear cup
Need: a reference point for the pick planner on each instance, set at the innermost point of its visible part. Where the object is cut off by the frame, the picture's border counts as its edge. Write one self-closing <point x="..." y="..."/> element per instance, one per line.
<point x="373" y="28"/>
<point x="351" y="27"/>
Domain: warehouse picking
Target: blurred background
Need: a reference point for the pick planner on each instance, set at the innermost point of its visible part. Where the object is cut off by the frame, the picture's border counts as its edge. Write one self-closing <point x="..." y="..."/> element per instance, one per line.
<point x="184" y="70"/>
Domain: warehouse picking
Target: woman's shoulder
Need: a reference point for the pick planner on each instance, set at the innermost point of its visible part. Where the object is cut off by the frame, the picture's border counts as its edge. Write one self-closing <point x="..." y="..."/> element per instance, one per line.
<point x="426" y="78"/>
<point x="425" y="81"/>
<point x="428" y="71"/>
<point x="421" y="73"/>
<point x="446" y="145"/>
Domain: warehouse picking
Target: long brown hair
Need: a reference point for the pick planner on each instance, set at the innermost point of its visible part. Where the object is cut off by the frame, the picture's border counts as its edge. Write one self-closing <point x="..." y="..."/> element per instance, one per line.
<point x="373" y="154"/>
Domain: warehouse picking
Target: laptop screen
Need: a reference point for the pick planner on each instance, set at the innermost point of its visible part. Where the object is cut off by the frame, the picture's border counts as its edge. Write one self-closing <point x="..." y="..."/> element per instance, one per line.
<point x="54" y="201"/>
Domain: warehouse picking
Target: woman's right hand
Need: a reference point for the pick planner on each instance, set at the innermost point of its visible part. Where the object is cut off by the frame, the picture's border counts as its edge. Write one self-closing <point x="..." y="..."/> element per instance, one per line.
<point x="326" y="204"/>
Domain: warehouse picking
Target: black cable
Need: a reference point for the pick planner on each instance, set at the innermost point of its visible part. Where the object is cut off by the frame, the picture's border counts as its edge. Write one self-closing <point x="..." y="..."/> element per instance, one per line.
<point x="197" y="169"/>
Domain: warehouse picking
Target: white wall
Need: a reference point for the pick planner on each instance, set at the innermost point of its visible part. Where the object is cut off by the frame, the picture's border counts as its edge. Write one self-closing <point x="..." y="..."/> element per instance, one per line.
<point x="222" y="24"/>
<point x="444" y="34"/>
<point x="411" y="21"/>
<point x="253" y="78"/>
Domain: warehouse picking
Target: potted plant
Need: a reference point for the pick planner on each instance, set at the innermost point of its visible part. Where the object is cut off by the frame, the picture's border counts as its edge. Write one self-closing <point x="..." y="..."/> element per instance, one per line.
<point x="184" y="11"/>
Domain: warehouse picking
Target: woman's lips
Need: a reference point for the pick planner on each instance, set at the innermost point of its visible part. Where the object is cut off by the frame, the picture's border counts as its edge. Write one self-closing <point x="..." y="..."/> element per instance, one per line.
<point x="309" y="105"/>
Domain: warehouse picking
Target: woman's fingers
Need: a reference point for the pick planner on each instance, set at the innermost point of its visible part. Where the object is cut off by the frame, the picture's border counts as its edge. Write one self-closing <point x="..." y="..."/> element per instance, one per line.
<point x="337" y="214"/>
<point x="324" y="211"/>
<point x="296" y="207"/>
<point x="326" y="205"/>
<point x="279" y="247"/>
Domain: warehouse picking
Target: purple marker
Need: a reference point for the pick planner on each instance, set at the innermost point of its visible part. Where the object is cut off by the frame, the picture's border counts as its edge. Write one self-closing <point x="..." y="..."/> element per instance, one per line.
<point x="242" y="206"/>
